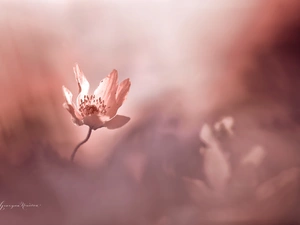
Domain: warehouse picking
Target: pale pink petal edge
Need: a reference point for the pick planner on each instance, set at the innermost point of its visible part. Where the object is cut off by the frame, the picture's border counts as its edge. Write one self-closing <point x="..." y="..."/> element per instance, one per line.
<point x="83" y="84"/>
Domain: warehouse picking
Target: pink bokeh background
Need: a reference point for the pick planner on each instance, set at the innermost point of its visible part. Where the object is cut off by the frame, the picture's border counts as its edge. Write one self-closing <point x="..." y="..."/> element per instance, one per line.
<point x="190" y="63"/>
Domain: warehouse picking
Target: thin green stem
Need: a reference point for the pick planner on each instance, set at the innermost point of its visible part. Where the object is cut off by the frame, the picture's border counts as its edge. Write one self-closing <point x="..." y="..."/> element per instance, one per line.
<point x="81" y="143"/>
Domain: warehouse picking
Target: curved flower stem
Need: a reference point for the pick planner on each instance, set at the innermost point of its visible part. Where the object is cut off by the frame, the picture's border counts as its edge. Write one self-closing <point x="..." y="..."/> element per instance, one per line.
<point x="81" y="143"/>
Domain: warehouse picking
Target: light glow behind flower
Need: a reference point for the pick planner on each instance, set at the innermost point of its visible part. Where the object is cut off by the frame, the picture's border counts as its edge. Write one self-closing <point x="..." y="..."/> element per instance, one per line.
<point x="100" y="108"/>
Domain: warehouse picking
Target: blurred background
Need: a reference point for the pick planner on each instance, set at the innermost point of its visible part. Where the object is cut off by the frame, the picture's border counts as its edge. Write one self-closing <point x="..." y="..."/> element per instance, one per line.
<point x="214" y="104"/>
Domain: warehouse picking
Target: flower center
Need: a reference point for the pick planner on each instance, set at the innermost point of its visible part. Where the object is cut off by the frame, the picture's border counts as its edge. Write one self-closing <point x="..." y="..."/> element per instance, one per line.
<point x="89" y="105"/>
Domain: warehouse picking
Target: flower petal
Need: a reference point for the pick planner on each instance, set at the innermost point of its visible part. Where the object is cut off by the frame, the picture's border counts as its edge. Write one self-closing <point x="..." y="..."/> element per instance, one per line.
<point x="83" y="84"/>
<point x="68" y="95"/>
<point x="122" y="91"/>
<point x="121" y="94"/>
<point x="75" y="118"/>
<point x="94" y="121"/>
<point x="117" y="122"/>
<point x="112" y="109"/>
<point x="107" y="86"/>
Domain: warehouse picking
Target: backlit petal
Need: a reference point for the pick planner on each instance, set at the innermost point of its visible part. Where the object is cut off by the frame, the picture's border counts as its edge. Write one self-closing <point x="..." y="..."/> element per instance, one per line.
<point x="107" y="86"/>
<point x="83" y="84"/>
<point x="117" y="122"/>
<point x="112" y="109"/>
<point x="122" y="91"/>
<point x="94" y="121"/>
<point x="75" y="117"/>
<point x="121" y="94"/>
<point x="68" y="95"/>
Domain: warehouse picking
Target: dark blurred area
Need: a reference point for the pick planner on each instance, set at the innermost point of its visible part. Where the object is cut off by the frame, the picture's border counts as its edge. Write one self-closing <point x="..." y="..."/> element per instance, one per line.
<point x="214" y="133"/>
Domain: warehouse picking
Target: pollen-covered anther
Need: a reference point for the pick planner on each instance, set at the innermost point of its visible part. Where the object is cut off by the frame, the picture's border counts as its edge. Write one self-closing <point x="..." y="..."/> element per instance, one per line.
<point x="90" y="105"/>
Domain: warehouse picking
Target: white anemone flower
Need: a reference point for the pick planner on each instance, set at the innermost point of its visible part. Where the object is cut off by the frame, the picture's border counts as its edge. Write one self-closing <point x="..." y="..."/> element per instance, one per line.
<point x="99" y="109"/>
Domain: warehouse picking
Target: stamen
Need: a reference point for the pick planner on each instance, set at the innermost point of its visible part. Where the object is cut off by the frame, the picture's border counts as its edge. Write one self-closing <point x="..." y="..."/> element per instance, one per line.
<point x="90" y="105"/>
